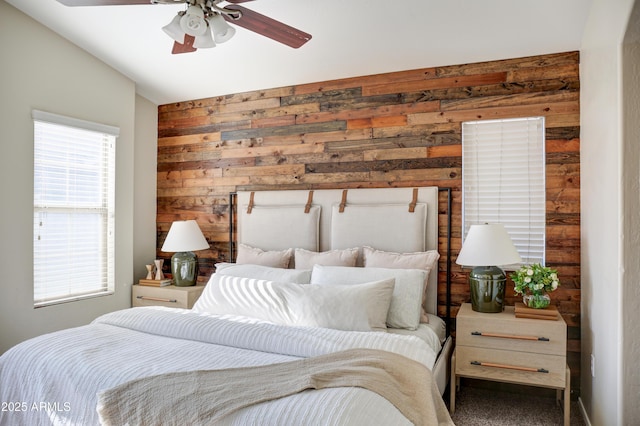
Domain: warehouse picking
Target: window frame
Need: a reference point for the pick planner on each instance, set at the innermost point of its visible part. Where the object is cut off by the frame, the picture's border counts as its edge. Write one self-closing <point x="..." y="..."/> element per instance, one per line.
<point x="73" y="197"/>
<point x="530" y="240"/>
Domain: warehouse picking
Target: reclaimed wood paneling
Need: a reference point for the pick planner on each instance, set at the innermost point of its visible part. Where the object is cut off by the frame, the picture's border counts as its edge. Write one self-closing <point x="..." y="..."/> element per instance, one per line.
<point x="387" y="130"/>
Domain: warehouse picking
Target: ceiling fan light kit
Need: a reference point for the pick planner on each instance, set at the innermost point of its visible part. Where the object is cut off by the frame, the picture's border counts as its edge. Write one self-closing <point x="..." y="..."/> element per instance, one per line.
<point x="221" y="30"/>
<point x="192" y="22"/>
<point x="204" y="23"/>
<point x="174" y="30"/>
<point x="204" y="41"/>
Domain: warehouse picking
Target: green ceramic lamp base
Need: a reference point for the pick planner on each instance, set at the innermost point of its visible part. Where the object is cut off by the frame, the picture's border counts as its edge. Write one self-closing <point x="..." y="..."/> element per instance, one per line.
<point x="184" y="268"/>
<point x="487" y="285"/>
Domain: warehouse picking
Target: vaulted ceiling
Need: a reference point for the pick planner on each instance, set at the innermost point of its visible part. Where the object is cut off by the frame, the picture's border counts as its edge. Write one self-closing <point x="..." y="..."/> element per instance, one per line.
<point x="350" y="38"/>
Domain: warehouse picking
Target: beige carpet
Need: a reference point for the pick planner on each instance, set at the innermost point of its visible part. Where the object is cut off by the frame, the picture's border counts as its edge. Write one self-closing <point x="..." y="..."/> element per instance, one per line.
<point x="479" y="406"/>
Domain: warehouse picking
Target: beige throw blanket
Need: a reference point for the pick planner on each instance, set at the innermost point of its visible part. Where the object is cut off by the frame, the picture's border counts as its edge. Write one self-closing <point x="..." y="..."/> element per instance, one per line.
<point x="204" y="397"/>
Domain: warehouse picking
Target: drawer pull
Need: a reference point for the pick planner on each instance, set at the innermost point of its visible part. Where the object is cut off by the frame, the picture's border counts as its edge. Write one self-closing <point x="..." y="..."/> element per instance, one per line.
<point x="510" y="367"/>
<point x="510" y="336"/>
<point x="157" y="299"/>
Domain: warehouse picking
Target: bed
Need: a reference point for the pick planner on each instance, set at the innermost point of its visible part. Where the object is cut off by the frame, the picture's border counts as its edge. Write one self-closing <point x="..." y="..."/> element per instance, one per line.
<point x="327" y="316"/>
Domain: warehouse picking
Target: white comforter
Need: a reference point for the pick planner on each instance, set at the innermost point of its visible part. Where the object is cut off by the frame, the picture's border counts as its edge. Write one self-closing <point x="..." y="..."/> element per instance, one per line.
<point x="54" y="379"/>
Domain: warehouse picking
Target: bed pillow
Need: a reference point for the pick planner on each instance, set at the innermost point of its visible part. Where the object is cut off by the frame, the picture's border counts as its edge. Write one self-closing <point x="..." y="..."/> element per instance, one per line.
<point x="298" y="276"/>
<point x="249" y="297"/>
<point x="256" y="256"/>
<point x="427" y="260"/>
<point x="355" y="308"/>
<point x="305" y="259"/>
<point x="406" y="301"/>
<point x="361" y="307"/>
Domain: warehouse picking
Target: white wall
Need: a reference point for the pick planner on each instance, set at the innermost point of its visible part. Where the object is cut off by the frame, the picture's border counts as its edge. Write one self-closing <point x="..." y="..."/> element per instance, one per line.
<point x="602" y="203"/>
<point x="41" y="70"/>
<point x="145" y="186"/>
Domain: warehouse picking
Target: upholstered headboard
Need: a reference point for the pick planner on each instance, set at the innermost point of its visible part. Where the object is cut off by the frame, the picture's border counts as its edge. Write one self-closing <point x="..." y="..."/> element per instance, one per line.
<point x="400" y="220"/>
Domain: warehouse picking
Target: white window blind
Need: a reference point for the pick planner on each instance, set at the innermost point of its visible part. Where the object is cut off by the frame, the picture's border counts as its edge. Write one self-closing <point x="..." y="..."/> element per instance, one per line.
<point x="73" y="209"/>
<point x="503" y="178"/>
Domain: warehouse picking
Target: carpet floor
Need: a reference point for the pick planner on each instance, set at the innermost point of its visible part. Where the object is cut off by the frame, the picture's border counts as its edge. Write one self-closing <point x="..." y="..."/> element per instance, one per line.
<point x="480" y="407"/>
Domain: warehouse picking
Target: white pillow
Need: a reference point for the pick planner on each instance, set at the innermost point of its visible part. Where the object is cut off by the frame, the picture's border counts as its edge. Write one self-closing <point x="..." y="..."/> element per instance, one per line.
<point x="249" y="297"/>
<point x="361" y="307"/>
<point x="355" y="308"/>
<point x="427" y="260"/>
<point x="260" y="272"/>
<point x="406" y="301"/>
<point x="256" y="256"/>
<point x="305" y="259"/>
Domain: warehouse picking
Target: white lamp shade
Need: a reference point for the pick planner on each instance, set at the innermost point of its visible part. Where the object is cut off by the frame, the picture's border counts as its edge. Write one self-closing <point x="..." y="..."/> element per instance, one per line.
<point x="204" y="41"/>
<point x="184" y="235"/>
<point x="488" y="245"/>
<point x="193" y="22"/>
<point x="174" y="30"/>
<point x="222" y="31"/>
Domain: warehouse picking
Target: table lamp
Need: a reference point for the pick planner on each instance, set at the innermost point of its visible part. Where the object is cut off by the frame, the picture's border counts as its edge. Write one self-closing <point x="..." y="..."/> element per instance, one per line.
<point x="486" y="247"/>
<point x="184" y="238"/>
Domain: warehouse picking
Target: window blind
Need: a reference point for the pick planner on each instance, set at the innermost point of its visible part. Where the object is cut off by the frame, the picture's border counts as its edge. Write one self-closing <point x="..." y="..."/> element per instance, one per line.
<point x="503" y="176"/>
<point x="74" y="200"/>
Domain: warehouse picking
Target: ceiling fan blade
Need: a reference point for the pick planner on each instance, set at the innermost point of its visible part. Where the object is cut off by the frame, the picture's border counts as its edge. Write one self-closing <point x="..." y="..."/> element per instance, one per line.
<point x="102" y="2"/>
<point x="268" y="27"/>
<point x="186" y="47"/>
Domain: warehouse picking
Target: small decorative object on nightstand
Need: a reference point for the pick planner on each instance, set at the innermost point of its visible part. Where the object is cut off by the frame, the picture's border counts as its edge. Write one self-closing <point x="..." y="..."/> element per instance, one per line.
<point x="550" y="313"/>
<point x="149" y="271"/>
<point x="159" y="275"/>
<point x="184" y="238"/>
<point x="156" y="283"/>
<point x="503" y="348"/>
<point x="535" y="282"/>
<point x="485" y="247"/>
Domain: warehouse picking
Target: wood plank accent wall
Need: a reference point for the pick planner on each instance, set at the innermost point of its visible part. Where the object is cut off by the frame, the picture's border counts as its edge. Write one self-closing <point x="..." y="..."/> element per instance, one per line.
<point x="389" y="130"/>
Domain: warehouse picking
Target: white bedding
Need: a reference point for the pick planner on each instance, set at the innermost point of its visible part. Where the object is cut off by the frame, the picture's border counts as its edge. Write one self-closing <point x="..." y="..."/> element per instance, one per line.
<point x="429" y="332"/>
<point x="53" y="379"/>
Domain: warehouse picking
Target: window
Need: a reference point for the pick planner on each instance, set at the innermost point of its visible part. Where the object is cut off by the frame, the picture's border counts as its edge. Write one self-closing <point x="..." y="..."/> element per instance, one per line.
<point x="503" y="179"/>
<point x="73" y="209"/>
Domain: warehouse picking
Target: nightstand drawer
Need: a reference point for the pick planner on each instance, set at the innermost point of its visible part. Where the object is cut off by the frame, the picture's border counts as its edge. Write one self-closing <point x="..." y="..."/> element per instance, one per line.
<point x="512" y="367"/>
<point x="505" y="331"/>
<point x="170" y="296"/>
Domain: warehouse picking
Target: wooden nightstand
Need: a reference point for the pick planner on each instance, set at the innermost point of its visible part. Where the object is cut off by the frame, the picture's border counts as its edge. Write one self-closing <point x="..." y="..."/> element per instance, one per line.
<point x="171" y="296"/>
<point x="503" y="348"/>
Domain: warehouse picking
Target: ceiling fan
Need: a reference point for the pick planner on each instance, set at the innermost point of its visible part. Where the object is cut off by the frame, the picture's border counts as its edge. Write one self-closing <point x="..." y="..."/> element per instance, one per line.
<point x="204" y="22"/>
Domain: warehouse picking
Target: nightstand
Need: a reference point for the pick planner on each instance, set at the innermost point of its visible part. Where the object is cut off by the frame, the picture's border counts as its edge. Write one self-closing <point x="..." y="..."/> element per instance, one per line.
<point x="171" y="296"/>
<point x="503" y="348"/>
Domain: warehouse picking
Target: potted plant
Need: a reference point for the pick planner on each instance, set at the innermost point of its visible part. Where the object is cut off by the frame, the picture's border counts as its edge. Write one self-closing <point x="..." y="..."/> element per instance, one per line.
<point x="535" y="282"/>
